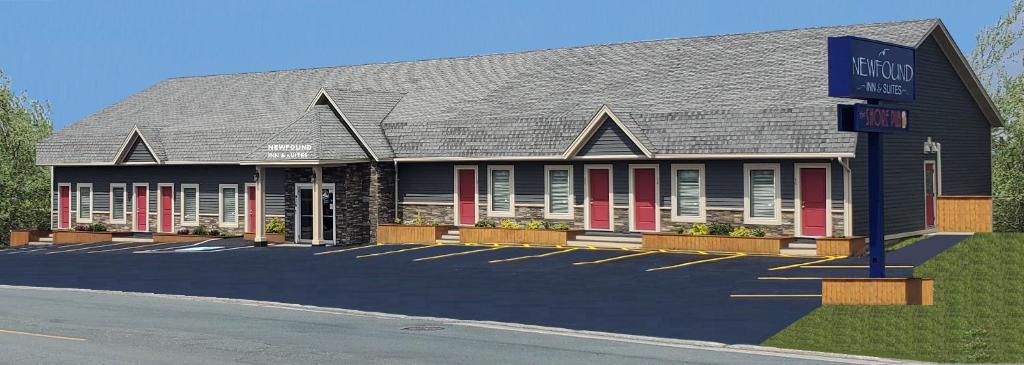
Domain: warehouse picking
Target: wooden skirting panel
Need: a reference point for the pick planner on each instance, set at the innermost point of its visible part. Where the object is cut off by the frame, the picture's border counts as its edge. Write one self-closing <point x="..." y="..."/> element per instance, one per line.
<point x="851" y="246"/>
<point x="21" y="238"/>
<point x="271" y="237"/>
<point x="672" y="241"/>
<point x="882" y="291"/>
<point x="63" y="237"/>
<point x="520" y="236"/>
<point x="964" y="214"/>
<point x="172" y="237"/>
<point x="400" y="233"/>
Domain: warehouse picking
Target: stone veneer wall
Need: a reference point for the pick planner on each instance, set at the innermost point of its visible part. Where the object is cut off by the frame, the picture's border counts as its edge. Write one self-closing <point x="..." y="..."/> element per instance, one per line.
<point x="364" y="195"/>
<point x="208" y="221"/>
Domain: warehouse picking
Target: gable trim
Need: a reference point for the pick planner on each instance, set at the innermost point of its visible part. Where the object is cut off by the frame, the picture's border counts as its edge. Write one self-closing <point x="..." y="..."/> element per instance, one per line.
<point x="963" y="69"/>
<point x="605" y="113"/>
<point x="126" y="146"/>
<point x="323" y="93"/>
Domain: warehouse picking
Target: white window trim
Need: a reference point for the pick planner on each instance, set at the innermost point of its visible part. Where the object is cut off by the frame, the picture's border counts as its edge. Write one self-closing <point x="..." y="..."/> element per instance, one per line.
<point x="476" y="193"/>
<point x="702" y="207"/>
<point x="511" y="189"/>
<point x="220" y="206"/>
<point x="747" y="219"/>
<point x="181" y="192"/>
<point x="245" y="213"/>
<point x="547" y="194"/>
<point x="124" y="201"/>
<point x="798" y="211"/>
<point x="657" y="197"/>
<point x="135" y="203"/>
<point x="586" y="196"/>
<point x="159" y="207"/>
<point x="78" y="202"/>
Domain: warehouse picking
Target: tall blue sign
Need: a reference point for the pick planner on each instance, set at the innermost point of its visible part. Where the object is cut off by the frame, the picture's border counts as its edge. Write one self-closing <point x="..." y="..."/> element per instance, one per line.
<point x="860" y="68"/>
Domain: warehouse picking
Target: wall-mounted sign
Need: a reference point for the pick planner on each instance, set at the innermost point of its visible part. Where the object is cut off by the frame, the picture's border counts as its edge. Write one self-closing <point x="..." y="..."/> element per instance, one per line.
<point x="861" y="68"/>
<point x="873" y="118"/>
<point x="289" y="151"/>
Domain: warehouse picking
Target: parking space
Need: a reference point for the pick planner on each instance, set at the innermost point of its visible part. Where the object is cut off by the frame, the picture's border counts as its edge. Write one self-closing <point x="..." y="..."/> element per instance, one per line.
<point x="715" y="296"/>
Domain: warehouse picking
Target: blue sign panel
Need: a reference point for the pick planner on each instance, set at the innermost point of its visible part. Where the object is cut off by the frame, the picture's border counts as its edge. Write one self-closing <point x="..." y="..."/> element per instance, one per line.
<point x="861" y="68"/>
<point x="873" y="118"/>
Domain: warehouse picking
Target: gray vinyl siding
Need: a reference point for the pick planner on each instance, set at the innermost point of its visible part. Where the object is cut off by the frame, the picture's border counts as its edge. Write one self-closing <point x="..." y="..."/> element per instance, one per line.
<point x="139" y="153"/>
<point x="609" y="139"/>
<point x="945" y="111"/>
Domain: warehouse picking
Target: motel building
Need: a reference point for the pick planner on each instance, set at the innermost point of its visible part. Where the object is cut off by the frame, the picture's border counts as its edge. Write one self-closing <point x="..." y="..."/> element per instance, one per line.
<point x="614" y="140"/>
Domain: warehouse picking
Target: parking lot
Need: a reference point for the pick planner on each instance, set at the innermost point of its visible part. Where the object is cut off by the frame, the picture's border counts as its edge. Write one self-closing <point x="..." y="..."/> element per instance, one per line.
<point x="713" y="296"/>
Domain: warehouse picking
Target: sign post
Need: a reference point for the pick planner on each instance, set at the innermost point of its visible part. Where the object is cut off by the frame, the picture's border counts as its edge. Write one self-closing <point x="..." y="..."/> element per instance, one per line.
<point x="860" y="68"/>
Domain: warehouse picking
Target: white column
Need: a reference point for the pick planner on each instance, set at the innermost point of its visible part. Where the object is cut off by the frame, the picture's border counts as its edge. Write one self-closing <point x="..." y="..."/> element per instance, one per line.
<point x="261" y="188"/>
<point x="318" y="207"/>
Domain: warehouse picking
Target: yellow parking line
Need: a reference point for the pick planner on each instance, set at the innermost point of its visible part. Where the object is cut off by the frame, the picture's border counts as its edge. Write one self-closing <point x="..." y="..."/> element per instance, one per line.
<point x="41" y="335"/>
<point x="134" y="247"/>
<point x="854" y="267"/>
<point x="533" y="256"/>
<point x="396" y="251"/>
<point x="616" y="258"/>
<point x="458" y="253"/>
<point x="775" y="295"/>
<point x="345" y="250"/>
<point x="786" y="278"/>
<point x="698" y="262"/>
<point x="828" y="258"/>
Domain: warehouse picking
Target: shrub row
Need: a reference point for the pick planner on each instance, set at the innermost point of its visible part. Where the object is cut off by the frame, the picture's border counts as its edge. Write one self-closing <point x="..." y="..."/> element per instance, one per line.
<point x="721" y="229"/>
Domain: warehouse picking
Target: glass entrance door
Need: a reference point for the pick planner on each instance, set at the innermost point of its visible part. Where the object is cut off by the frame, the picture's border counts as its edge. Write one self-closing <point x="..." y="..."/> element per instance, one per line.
<point x="304" y="201"/>
<point x="327" y="201"/>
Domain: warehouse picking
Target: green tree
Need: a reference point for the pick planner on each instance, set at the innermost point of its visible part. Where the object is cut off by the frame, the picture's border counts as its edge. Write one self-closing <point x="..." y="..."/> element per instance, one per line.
<point x="997" y="59"/>
<point x="24" y="187"/>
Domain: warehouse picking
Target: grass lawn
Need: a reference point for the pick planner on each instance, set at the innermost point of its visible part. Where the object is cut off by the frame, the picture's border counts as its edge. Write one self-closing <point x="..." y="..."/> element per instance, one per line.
<point x="978" y="314"/>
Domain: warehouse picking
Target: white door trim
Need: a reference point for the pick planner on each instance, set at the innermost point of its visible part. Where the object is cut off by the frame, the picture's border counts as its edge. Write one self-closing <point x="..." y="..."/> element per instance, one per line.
<point x="476" y="193"/>
<point x="61" y="213"/>
<point x="135" y="198"/>
<point x="586" y="196"/>
<point x="159" y="207"/>
<point x="245" y="196"/>
<point x="798" y="210"/>
<point x="657" y="197"/>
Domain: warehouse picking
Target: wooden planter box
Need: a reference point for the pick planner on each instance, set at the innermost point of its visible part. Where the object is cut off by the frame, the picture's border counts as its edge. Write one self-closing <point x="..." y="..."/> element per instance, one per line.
<point x="879" y="291"/>
<point x="21" y="238"/>
<point x="544" y="237"/>
<point x="963" y="213"/>
<point x="174" y="237"/>
<point x="64" y="237"/>
<point x="400" y="233"/>
<point x="673" y="241"/>
<point x="848" y="246"/>
<point x="271" y="237"/>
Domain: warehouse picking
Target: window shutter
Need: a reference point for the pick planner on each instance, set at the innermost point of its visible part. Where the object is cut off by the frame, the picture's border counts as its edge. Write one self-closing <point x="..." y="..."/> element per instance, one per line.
<point x="762" y="193"/>
<point x="500" y="191"/>
<point x="688" y="193"/>
<point x="558" y="190"/>
<point x="190" y="213"/>
<point x="117" y="211"/>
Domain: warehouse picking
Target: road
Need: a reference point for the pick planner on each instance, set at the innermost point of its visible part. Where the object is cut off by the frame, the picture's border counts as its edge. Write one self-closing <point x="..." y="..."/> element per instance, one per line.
<point x="55" y="326"/>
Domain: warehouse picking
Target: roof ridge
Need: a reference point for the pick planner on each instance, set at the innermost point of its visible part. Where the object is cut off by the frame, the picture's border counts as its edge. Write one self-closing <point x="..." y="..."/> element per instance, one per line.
<point x="532" y="51"/>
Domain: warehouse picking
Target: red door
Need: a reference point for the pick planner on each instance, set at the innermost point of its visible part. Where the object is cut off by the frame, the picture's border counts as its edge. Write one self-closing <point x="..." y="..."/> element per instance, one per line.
<point x="166" y="209"/>
<point x="812" y="202"/>
<point x="600" y="207"/>
<point x="645" y="213"/>
<point x="141" y="205"/>
<point x="64" y="201"/>
<point x="929" y="194"/>
<point x="250" y="213"/>
<point x="467" y="197"/>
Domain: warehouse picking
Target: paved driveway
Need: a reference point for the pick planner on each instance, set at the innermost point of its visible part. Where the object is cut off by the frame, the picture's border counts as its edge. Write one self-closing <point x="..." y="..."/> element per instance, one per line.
<point x="713" y="297"/>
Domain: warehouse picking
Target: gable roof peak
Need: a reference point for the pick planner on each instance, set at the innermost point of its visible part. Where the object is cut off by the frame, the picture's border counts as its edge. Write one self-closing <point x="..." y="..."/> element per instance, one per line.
<point x="127" y="148"/>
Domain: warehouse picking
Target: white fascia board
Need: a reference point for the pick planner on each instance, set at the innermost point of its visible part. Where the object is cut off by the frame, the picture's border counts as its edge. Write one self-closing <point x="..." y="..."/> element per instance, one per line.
<point x="592" y="126"/>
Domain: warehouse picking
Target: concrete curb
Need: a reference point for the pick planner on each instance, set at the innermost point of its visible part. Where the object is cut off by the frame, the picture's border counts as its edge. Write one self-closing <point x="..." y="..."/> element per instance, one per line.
<point x="646" y="340"/>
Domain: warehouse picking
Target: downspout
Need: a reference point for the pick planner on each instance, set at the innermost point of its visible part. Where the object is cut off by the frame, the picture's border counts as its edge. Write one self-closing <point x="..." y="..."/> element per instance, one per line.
<point x="847" y="196"/>
<point x="938" y="168"/>
<point x="396" y="190"/>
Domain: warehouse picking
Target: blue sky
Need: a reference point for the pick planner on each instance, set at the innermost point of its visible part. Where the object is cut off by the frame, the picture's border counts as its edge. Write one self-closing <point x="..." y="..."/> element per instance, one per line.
<point x="82" y="56"/>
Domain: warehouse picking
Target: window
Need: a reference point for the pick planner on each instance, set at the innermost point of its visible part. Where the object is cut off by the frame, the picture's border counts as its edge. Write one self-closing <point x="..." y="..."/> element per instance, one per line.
<point x="84" y="203"/>
<point x="500" y="191"/>
<point x="762" y="194"/>
<point x="189" y="204"/>
<point x="118" y="196"/>
<point x="228" y="205"/>
<point x="558" y="192"/>
<point x="688" y="193"/>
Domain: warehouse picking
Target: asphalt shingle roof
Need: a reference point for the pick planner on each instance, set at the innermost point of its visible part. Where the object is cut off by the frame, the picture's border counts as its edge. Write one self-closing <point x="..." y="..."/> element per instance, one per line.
<point x="722" y="88"/>
<point x="317" y="135"/>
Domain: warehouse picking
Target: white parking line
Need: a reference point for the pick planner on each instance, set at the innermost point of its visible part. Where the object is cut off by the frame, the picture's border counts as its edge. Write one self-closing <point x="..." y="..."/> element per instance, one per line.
<point x="132" y="247"/>
<point x="89" y="247"/>
<point x="172" y="249"/>
<point x="24" y="251"/>
<point x="231" y="249"/>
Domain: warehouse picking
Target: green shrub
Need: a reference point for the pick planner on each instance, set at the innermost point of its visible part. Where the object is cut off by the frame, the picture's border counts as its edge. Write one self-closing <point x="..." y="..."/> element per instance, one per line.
<point x="398" y="220"/>
<point x="719" y="229"/>
<point x="419" y="221"/>
<point x="699" y="229"/>
<point x="509" y="223"/>
<point x="199" y="231"/>
<point x="215" y="232"/>
<point x="182" y="230"/>
<point x="484" y="224"/>
<point x="560" y="226"/>
<point x="741" y="231"/>
<point x="98" y="227"/>
<point x="275" y="225"/>
<point x="536" y="224"/>
<point x="758" y="232"/>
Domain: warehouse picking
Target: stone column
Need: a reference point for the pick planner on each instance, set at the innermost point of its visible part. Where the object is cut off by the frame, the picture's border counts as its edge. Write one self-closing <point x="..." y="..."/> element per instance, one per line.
<point x="261" y="188"/>
<point x="318" y="207"/>
<point x="381" y="196"/>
